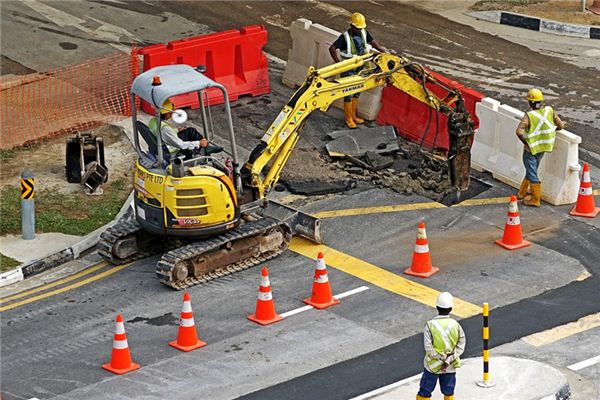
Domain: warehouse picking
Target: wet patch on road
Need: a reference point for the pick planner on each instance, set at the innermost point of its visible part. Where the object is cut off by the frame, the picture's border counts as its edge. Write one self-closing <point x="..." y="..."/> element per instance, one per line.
<point x="165" y="319"/>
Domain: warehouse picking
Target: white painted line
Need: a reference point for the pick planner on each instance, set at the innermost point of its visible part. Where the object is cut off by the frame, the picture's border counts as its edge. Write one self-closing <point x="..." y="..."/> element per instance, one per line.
<point x="337" y="296"/>
<point x="386" y="388"/>
<point x="584" y="364"/>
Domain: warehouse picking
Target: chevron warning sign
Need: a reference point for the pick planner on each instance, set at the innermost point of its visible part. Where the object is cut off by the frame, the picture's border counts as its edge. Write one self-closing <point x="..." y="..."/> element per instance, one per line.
<point x="27" y="190"/>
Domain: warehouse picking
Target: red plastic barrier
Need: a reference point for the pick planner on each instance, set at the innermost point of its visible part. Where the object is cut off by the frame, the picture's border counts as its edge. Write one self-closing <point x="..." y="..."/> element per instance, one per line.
<point x="414" y="120"/>
<point x="232" y="58"/>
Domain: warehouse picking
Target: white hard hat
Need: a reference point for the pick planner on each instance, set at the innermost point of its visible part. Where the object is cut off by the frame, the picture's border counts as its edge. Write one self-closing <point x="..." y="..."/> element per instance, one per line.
<point x="444" y="300"/>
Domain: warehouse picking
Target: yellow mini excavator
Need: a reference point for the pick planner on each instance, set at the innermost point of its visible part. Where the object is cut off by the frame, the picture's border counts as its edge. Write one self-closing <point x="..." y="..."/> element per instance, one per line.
<point x="211" y="219"/>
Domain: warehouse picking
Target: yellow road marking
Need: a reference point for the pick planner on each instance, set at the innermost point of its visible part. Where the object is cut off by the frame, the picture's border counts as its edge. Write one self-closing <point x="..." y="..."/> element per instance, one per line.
<point x="380" y="209"/>
<point x="65" y="288"/>
<point x="407" y="207"/>
<point x="560" y="332"/>
<point x="379" y="276"/>
<point x="55" y="283"/>
<point x="597" y="192"/>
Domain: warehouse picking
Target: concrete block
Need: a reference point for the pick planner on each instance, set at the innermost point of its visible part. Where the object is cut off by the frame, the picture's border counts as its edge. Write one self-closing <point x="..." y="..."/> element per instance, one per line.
<point x="497" y="150"/>
<point x="310" y="47"/>
<point x="12" y="276"/>
<point x="564" y="29"/>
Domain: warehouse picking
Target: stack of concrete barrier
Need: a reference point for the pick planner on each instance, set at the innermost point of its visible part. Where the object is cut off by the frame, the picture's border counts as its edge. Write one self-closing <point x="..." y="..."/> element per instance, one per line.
<point x="496" y="149"/>
<point x="310" y="47"/>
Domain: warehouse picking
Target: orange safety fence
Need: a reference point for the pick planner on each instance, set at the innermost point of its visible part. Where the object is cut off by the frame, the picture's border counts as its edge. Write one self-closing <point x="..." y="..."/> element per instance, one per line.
<point x="66" y="100"/>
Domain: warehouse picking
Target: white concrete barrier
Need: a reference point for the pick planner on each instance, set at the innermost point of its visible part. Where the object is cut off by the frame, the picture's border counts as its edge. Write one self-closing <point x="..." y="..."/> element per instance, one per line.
<point x="496" y="149"/>
<point x="310" y="47"/>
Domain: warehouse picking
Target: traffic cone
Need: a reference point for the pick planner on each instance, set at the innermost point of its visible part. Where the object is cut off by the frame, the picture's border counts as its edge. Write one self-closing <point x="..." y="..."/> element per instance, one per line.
<point x="187" y="337"/>
<point x="120" y="360"/>
<point x="585" y="206"/>
<point x="265" y="306"/>
<point x="513" y="237"/>
<point x="321" y="289"/>
<point x="421" y="260"/>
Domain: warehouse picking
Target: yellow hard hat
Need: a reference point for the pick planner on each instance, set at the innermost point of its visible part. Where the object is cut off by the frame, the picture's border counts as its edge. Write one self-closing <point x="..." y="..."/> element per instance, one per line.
<point x="358" y="20"/>
<point x="535" y="95"/>
<point x="167" y="107"/>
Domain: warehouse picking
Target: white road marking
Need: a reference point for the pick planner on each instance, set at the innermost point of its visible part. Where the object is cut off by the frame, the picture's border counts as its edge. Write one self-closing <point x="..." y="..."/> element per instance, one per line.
<point x="337" y="296"/>
<point x="584" y="364"/>
<point x="386" y="388"/>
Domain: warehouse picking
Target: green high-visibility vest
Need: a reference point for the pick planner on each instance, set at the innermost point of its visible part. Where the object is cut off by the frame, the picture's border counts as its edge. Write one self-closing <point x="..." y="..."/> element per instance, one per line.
<point x="445" y="333"/>
<point x="351" y="50"/>
<point x="542" y="131"/>
<point x="152" y="125"/>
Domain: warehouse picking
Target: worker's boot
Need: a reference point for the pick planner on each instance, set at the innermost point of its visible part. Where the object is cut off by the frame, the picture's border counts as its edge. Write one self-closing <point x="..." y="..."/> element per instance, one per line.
<point x="536" y="195"/>
<point x="355" y="111"/>
<point x="422" y="398"/>
<point x="448" y="397"/>
<point x="348" y="114"/>
<point x="523" y="189"/>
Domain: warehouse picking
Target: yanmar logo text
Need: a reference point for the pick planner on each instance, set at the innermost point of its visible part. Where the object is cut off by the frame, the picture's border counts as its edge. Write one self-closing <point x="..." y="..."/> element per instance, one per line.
<point x="351" y="88"/>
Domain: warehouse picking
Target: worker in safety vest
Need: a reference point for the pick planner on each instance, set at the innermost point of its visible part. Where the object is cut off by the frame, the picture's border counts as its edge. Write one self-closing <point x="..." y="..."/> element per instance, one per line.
<point x="537" y="131"/>
<point x="444" y="341"/>
<point x="356" y="41"/>
<point x="186" y="141"/>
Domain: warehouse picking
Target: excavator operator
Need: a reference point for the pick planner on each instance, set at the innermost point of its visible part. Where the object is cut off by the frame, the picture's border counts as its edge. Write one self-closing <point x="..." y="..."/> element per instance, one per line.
<point x="182" y="141"/>
<point x="356" y="41"/>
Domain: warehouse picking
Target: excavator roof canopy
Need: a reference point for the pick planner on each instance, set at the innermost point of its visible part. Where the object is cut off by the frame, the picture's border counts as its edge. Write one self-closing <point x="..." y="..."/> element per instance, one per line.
<point x="174" y="80"/>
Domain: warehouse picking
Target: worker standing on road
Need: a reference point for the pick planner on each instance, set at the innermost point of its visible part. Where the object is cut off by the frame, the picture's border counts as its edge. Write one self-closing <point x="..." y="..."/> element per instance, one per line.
<point x="186" y="141"/>
<point x="444" y="341"/>
<point x="356" y="41"/>
<point x="537" y="131"/>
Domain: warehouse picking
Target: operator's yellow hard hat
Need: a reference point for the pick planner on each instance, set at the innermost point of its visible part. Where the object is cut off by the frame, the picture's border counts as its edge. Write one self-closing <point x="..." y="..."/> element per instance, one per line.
<point x="535" y="95"/>
<point x="167" y="107"/>
<point x="358" y="20"/>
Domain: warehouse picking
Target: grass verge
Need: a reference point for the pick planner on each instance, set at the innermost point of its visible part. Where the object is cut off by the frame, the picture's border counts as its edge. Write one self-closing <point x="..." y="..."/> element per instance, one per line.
<point x="73" y="214"/>
<point x="7" y="263"/>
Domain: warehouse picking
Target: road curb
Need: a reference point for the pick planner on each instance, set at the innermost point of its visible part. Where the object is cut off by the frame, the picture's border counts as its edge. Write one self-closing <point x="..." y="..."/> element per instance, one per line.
<point x="60" y="257"/>
<point x="538" y="24"/>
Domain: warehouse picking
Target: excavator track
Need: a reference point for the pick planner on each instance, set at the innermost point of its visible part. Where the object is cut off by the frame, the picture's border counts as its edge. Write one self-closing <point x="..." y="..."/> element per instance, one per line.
<point x="120" y="231"/>
<point x="182" y="257"/>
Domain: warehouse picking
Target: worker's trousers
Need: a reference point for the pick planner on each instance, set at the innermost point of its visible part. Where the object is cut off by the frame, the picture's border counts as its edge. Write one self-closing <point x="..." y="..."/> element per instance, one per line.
<point x="429" y="380"/>
<point x="350" y="73"/>
<point x="532" y="163"/>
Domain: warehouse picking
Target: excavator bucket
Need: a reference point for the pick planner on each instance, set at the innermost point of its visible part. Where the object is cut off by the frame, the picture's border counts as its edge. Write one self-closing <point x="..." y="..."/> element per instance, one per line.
<point x="300" y="223"/>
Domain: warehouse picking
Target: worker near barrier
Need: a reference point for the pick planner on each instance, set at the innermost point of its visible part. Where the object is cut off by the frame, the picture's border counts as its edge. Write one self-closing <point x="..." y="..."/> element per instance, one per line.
<point x="182" y="141"/>
<point x="356" y="41"/>
<point x="537" y="131"/>
<point x="444" y="341"/>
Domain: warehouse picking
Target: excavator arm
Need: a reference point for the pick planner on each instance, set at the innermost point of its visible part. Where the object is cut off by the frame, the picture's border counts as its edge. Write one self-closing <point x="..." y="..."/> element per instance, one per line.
<point x="321" y="88"/>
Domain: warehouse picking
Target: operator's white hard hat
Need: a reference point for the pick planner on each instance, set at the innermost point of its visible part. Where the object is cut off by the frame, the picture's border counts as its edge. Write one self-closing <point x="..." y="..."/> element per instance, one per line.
<point x="445" y="300"/>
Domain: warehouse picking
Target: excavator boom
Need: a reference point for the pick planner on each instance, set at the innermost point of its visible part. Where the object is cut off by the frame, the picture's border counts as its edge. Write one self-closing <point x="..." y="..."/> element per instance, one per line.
<point x="322" y="88"/>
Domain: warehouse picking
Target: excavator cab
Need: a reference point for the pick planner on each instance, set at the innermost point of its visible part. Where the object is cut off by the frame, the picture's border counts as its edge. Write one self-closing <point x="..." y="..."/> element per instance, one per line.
<point x="195" y="195"/>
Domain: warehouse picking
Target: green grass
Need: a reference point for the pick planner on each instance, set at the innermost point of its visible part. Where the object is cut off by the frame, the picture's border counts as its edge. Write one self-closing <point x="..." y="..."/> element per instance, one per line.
<point x="7" y="263"/>
<point x="72" y="214"/>
<point x="502" y="5"/>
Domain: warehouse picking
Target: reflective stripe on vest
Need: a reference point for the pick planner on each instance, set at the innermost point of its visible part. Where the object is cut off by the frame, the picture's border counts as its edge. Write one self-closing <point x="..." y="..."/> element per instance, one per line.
<point x="542" y="131"/>
<point x="444" y="333"/>
<point x="152" y="126"/>
<point x="351" y="50"/>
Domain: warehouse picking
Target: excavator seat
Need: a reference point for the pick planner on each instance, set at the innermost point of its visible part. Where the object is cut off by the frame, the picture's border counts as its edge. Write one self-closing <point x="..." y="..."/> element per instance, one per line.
<point x="150" y="140"/>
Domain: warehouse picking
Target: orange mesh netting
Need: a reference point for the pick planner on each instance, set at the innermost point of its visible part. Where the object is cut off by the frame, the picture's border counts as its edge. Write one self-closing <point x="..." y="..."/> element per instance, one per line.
<point x="67" y="100"/>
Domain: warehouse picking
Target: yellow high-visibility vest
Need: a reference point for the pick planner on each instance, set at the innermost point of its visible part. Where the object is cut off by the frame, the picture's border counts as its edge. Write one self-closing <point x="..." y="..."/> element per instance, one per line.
<point x="542" y="131"/>
<point x="445" y="334"/>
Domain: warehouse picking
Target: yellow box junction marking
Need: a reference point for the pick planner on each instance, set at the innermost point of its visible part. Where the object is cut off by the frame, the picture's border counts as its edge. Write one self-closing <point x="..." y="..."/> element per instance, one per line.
<point x="55" y="283"/>
<point x="379" y="276"/>
<point x="407" y="207"/>
<point x="560" y="332"/>
<point x="65" y="288"/>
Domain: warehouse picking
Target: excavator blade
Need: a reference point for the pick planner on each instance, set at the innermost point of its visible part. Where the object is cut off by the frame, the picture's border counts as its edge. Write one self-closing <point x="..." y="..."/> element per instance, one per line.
<point x="299" y="222"/>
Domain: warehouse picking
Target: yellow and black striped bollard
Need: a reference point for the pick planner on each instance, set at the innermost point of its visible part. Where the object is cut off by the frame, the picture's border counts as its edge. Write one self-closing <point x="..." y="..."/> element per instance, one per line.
<point x="27" y="205"/>
<point x="486" y="382"/>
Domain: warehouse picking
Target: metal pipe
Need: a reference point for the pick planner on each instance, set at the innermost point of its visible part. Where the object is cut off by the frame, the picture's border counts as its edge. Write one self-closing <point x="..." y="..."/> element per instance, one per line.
<point x="136" y="139"/>
<point x="203" y="112"/>
<point x="236" y="165"/>
<point x="27" y="205"/>
<point x="159" y="138"/>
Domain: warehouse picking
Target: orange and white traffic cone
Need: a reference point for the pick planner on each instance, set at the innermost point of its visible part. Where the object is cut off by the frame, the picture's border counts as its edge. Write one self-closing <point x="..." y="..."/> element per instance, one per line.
<point x="187" y="337"/>
<point x="120" y="360"/>
<point x="585" y="206"/>
<point x="421" y="260"/>
<point x="321" y="296"/>
<point x="513" y="236"/>
<point x="265" y="306"/>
